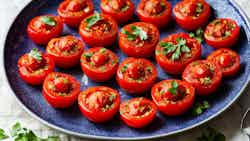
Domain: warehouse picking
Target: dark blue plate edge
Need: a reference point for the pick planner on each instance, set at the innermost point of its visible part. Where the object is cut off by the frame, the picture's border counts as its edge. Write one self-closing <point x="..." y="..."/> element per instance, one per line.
<point x="86" y="136"/>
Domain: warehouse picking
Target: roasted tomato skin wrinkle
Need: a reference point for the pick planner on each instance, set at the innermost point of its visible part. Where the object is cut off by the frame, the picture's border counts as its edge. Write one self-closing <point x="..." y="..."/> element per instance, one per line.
<point x="160" y="20"/>
<point x="96" y="114"/>
<point x="135" y="85"/>
<point x="189" y="22"/>
<point x="132" y="49"/>
<point x="226" y="42"/>
<point x="94" y="38"/>
<point x="54" y="98"/>
<point x="228" y="59"/>
<point x="133" y="117"/>
<point x="40" y="37"/>
<point x="177" y="66"/>
<point x="62" y="57"/>
<point x="94" y="71"/>
<point x="74" y="17"/>
<point x="166" y="104"/>
<point x="32" y="78"/>
<point x="203" y="86"/>
<point x="120" y="16"/>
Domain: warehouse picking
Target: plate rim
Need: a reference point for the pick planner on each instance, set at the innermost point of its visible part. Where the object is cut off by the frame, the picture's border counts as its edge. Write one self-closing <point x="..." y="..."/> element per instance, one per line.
<point x="87" y="136"/>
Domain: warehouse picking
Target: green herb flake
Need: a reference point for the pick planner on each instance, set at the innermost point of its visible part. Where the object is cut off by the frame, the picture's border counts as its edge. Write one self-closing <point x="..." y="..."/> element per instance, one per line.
<point x="200" y="107"/>
<point x="124" y="68"/>
<point x="199" y="9"/>
<point x="92" y="20"/>
<point x="227" y="33"/>
<point x="135" y="32"/>
<point x="198" y="35"/>
<point x="206" y="80"/>
<point x="88" y="55"/>
<point x="174" y="87"/>
<point x="48" y="20"/>
<point x="149" y="69"/>
<point x="112" y="97"/>
<point x="125" y="8"/>
<point x="36" y="54"/>
<point x="103" y="50"/>
<point x="3" y="135"/>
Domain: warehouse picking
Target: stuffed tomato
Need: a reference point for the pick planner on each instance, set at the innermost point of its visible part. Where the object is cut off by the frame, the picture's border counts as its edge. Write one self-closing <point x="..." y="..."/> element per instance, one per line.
<point x="136" y="75"/>
<point x="176" y="51"/>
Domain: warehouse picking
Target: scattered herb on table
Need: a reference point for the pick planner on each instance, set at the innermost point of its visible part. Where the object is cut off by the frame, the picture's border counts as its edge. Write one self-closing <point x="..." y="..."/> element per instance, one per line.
<point x="211" y="135"/>
<point x="200" y="107"/>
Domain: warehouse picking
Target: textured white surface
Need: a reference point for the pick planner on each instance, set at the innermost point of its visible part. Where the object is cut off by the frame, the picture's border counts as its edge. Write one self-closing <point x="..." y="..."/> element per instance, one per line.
<point x="10" y="111"/>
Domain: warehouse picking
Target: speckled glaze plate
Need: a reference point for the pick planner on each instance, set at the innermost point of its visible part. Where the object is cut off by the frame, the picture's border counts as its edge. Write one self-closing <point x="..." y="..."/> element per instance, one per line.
<point x="72" y="122"/>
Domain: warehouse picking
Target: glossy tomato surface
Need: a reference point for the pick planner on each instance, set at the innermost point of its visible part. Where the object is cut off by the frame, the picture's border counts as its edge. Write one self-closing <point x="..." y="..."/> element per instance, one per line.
<point x="60" y="90"/>
<point x="157" y="12"/>
<point x="121" y="10"/>
<point x="222" y="33"/>
<point x="138" y="112"/>
<point x="99" y="63"/>
<point x="43" y="28"/>
<point x="136" y="75"/>
<point x="66" y="51"/>
<point x="34" y="66"/>
<point x="99" y="104"/>
<point x="176" y="51"/>
<point x="228" y="60"/>
<point x="138" y="39"/>
<point x="173" y="97"/>
<point x="72" y="12"/>
<point x="204" y="75"/>
<point x="192" y="14"/>
<point x="98" y="30"/>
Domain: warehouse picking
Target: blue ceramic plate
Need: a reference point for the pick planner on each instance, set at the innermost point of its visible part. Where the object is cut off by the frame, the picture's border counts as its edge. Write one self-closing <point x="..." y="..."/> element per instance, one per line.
<point x="71" y="121"/>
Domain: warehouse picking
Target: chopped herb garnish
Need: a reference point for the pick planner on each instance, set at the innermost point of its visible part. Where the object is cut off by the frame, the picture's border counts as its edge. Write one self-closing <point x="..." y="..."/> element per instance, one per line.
<point x="149" y="69"/>
<point x="102" y="50"/>
<point x="48" y="20"/>
<point x="3" y="135"/>
<point x="206" y="80"/>
<point x="135" y="32"/>
<point x="211" y="135"/>
<point x="112" y="97"/>
<point x="176" y="49"/>
<point x="92" y="20"/>
<point x="199" y="9"/>
<point x="125" y="8"/>
<point x="88" y="55"/>
<point x="36" y="54"/>
<point x="174" y="87"/>
<point x="198" y="35"/>
<point x="124" y="68"/>
<point x="200" y="107"/>
<point x="227" y="33"/>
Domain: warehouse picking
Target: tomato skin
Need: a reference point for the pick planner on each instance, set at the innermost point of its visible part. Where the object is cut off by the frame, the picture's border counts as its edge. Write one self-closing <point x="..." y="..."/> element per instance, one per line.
<point x="135" y="121"/>
<point x="164" y="17"/>
<point x="74" y="19"/>
<point x="93" y="72"/>
<point x="173" y="108"/>
<point x="120" y="17"/>
<point x="223" y="43"/>
<point x="131" y="49"/>
<point x="61" y="60"/>
<point x="53" y="98"/>
<point x="102" y="39"/>
<point x="216" y="56"/>
<point x="190" y="77"/>
<point x="134" y="86"/>
<point x="189" y="22"/>
<point x="177" y="67"/>
<point x="34" y="79"/>
<point x="96" y="115"/>
<point x="41" y="37"/>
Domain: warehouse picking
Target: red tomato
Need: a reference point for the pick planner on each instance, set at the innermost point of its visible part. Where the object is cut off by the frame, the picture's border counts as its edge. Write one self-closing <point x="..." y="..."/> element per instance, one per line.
<point x="173" y="97"/>
<point x="138" y="112"/>
<point x="60" y="90"/>
<point x="98" y="30"/>
<point x="65" y="51"/>
<point x="136" y="75"/>
<point x="121" y="10"/>
<point x="228" y="60"/>
<point x="192" y="14"/>
<point x="204" y="75"/>
<point x="34" y="66"/>
<point x="99" y="104"/>
<point x="222" y="33"/>
<point x="43" y="28"/>
<point x="99" y="64"/>
<point x="157" y="12"/>
<point x="176" y="51"/>
<point x="139" y="39"/>
<point x="72" y="12"/>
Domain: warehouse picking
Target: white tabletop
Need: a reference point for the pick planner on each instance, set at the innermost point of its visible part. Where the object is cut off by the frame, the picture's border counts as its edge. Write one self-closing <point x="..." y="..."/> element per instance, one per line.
<point x="10" y="111"/>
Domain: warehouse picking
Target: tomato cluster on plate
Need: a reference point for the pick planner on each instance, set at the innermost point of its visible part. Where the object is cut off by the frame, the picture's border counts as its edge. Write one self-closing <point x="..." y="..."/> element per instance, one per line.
<point x="176" y="54"/>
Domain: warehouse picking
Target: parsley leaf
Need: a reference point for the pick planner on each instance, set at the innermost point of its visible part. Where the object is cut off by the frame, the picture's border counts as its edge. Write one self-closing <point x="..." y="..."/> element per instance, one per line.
<point x="88" y="55"/>
<point x="200" y="107"/>
<point x="36" y="54"/>
<point x="112" y="97"/>
<point x="211" y="135"/>
<point x="198" y="35"/>
<point x="199" y="9"/>
<point x="125" y="8"/>
<point x="48" y="20"/>
<point x="124" y="68"/>
<point x="92" y="20"/>
<point x="227" y="33"/>
<point x="174" y="87"/>
<point x="3" y="135"/>
<point x="135" y="32"/>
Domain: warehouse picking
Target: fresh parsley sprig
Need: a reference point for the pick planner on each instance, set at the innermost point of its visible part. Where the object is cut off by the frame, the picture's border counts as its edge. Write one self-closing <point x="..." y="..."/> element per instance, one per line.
<point x="211" y="135"/>
<point x="92" y="20"/>
<point x="36" y="54"/>
<point x="3" y="135"/>
<point x="198" y="35"/>
<point x="136" y="31"/>
<point x="174" y="87"/>
<point x="48" y="20"/>
<point x="200" y="107"/>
